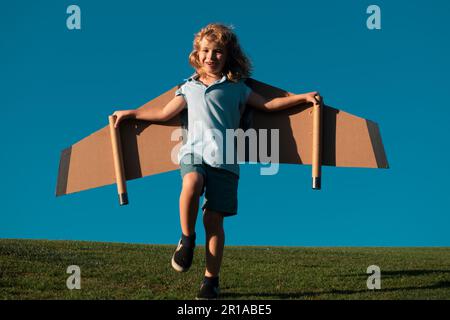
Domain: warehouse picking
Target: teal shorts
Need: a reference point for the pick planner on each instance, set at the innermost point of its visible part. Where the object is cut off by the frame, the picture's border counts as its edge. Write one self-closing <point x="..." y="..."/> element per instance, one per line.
<point x="220" y="185"/>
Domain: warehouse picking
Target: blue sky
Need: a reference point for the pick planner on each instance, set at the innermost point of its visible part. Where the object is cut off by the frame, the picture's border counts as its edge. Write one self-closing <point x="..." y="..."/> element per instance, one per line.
<point x="57" y="86"/>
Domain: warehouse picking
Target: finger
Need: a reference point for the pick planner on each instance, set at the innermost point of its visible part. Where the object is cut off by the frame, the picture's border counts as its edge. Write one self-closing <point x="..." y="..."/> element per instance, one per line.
<point x="316" y="100"/>
<point x="319" y="99"/>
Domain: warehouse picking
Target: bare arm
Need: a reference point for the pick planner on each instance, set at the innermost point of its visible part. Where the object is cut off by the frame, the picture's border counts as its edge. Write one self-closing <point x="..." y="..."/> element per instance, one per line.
<point x="170" y="110"/>
<point x="259" y="102"/>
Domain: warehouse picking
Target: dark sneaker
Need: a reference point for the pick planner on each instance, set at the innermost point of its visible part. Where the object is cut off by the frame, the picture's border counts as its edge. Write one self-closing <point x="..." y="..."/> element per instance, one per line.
<point x="208" y="291"/>
<point x="182" y="258"/>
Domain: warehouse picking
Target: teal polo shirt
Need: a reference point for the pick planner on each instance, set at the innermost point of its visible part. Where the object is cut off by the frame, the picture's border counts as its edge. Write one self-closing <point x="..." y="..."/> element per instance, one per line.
<point x="211" y="110"/>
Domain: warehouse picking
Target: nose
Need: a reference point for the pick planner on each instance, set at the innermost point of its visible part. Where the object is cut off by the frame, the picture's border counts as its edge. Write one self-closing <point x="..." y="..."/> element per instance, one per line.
<point x="211" y="56"/>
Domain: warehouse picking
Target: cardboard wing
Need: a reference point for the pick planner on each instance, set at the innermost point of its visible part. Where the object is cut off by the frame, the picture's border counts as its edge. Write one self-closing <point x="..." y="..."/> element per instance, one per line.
<point x="148" y="148"/>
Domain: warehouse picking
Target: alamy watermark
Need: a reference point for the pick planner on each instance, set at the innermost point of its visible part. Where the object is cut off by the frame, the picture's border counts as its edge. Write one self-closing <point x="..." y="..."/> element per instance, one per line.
<point x="74" y="280"/>
<point x="374" y="20"/>
<point x="374" y="280"/>
<point x="73" y="21"/>
<point x="209" y="143"/>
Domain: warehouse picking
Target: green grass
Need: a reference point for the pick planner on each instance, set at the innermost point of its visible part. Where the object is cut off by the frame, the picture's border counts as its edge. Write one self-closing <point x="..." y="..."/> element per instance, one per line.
<point x="36" y="269"/>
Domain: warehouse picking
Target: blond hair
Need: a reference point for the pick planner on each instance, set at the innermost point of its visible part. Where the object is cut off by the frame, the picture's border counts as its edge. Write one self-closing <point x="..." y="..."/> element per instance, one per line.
<point x="237" y="66"/>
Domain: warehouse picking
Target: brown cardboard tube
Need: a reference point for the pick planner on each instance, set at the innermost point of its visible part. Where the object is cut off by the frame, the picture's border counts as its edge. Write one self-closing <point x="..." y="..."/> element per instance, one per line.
<point x="317" y="146"/>
<point x="118" y="162"/>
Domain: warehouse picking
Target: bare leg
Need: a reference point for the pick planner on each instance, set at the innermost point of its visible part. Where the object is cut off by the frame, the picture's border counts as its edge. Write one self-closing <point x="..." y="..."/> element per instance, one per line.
<point x="189" y="198"/>
<point x="215" y="240"/>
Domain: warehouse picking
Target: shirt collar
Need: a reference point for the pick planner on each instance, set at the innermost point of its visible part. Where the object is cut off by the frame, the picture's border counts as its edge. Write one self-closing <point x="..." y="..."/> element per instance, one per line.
<point x="195" y="76"/>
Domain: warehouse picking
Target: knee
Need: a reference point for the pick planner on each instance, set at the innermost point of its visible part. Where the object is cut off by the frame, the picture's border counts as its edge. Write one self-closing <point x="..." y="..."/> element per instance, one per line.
<point x="213" y="221"/>
<point x="193" y="183"/>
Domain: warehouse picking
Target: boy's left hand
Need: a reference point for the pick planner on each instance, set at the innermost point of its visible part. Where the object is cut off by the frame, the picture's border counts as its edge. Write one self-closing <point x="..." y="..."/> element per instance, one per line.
<point x="313" y="97"/>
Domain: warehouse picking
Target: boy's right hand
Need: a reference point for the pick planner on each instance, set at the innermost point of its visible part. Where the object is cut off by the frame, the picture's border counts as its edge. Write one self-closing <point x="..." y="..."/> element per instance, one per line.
<point x="121" y="115"/>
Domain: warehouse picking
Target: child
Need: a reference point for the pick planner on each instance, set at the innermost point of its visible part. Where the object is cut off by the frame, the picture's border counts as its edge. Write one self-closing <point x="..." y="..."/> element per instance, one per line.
<point x="215" y="97"/>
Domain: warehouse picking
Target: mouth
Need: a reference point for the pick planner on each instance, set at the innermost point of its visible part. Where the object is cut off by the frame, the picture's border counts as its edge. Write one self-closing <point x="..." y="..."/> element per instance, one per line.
<point x="211" y="64"/>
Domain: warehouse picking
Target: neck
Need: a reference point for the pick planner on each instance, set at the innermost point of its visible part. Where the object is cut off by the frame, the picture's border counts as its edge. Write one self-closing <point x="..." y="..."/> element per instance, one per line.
<point x="211" y="76"/>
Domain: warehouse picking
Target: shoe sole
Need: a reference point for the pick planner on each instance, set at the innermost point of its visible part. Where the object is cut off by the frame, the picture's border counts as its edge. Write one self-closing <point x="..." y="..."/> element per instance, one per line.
<point x="216" y="298"/>
<point x="176" y="266"/>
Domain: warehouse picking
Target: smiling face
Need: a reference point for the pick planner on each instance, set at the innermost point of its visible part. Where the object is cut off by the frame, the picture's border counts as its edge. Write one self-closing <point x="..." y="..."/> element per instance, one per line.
<point x="212" y="57"/>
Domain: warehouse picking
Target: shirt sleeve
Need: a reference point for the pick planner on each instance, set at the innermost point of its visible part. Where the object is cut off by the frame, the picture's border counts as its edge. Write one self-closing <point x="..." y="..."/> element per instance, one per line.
<point x="180" y="91"/>
<point x="245" y="92"/>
